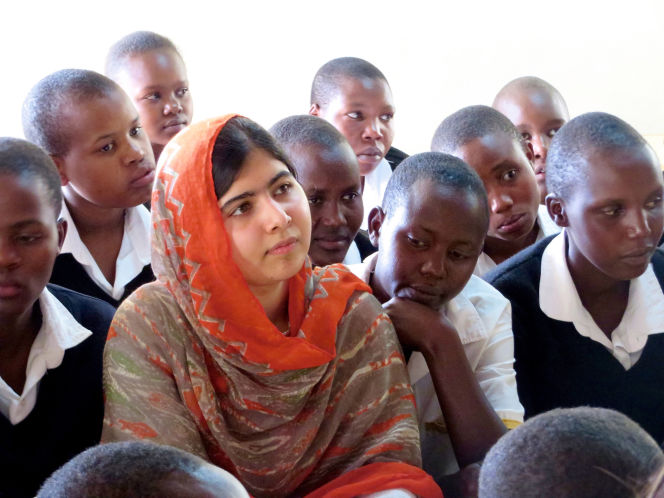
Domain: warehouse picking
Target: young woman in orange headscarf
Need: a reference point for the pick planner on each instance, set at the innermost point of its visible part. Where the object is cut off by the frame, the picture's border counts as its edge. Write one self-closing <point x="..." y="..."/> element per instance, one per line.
<point x="289" y="377"/>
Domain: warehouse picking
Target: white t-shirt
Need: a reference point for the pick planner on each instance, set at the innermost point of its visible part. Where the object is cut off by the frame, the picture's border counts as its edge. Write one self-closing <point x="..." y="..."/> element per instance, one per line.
<point x="483" y="319"/>
<point x="560" y="300"/>
<point x="133" y="256"/>
<point x="59" y="331"/>
<point x="374" y="188"/>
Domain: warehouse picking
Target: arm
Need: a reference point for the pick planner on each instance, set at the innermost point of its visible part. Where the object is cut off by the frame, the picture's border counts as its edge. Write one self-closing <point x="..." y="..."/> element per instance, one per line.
<point x="472" y="423"/>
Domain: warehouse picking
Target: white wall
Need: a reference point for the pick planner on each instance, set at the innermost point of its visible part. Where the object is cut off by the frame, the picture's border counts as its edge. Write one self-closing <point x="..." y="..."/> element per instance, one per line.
<point x="258" y="58"/>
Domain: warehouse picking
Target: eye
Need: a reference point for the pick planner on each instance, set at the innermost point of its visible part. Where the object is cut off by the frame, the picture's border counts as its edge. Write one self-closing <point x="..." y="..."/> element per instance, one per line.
<point x="416" y="243"/>
<point x="107" y="147"/>
<point x="387" y="116"/>
<point x="350" y="196"/>
<point x="26" y="239"/>
<point x="284" y="188"/>
<point x="152" y="96"/>
<point x="611" y="211"/>
<point x="315" y="200"/>
<point x="181" y="92"/>
<point x="526" y="136"/>
<point x="354" y="115"/>
<point x="458" y="256"/>
<point x="510" y="175"/>
<point x="135" y="131"/>
<point x="552" y="132"/>
<point x="241" y="209"/>
<point x="654" y="203"/>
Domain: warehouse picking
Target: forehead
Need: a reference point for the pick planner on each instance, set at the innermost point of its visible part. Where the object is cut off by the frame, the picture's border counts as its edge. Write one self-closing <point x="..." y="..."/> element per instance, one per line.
<point x="442" y="210"/>
<point x="23" y="198"/>
<point x="533" y="106"/>
<point x="257" y="170"/>
<point x="96" y="116"/>
<point x="160" y="66"/>
<point x="325" y="167"/>
<point x="361" y="91"/>
<point x="485" y="153"/>
<point x="619" y="174"/>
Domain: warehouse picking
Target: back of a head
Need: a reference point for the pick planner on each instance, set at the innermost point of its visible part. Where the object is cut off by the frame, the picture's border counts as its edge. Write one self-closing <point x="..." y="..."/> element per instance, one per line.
<point x="51" y="97"/>
<point x="135" y="43"/>
<point x="130" y="469"/>
<point x="21" y="158"/>
<point x="443" y="170"/>
<point x="593" y="131"/>
<point x="571" y="452"/>
<point x="469" y="123"/>
<point x="306" y="131"/>
<point x="327" y="79"/>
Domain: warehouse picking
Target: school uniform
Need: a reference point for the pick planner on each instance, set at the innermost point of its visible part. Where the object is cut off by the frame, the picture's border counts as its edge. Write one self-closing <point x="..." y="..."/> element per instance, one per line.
<point x="482" y="318"/>
<point x="545" y="226"/>
<point x="76" y="269"/>
<point x="394" y="156"/>
<point x="563" y="359"/>
<point x="60" y="409"/>
<point x="374" y="188"/>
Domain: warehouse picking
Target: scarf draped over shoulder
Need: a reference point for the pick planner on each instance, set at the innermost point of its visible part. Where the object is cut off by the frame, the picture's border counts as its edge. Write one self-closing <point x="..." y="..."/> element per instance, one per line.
<point x="193" y="361"/>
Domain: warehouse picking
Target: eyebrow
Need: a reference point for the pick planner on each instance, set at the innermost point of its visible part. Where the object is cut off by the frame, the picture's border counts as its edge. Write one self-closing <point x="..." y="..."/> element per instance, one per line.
<point x="27" y="223"/>
<point x="135" y="122"/>
<point x="249" y="193"/>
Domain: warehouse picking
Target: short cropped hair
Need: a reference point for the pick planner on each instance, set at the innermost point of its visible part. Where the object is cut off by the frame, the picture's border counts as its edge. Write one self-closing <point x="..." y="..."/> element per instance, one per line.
<point x="23" y="159"/>
<point x="469" y="123"/>
<point x="443" y="170"/>
<point x="306" y="130"/>
<point x="45" y="104"/>
<point x="593" y="131"/>
<point x="526" y="83"/>
<point x="134" y="43"/>
<point x="571" y="452"/>
<point x="236" y="140"/>
<point x="117" y="470"/>
<point x="327" y="79"/>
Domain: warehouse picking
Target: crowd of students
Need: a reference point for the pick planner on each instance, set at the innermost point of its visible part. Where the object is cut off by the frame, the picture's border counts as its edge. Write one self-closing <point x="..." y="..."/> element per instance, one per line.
<point x="314" y="311"/>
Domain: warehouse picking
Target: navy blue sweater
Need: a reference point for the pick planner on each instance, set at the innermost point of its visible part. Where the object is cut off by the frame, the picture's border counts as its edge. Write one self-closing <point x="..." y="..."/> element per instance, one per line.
<point x="557" y="367"/>
<point x="68" y="415"/>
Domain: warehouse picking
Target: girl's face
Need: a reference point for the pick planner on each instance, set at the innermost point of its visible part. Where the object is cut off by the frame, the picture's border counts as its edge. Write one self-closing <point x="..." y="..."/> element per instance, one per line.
<point x="267" y="219"/>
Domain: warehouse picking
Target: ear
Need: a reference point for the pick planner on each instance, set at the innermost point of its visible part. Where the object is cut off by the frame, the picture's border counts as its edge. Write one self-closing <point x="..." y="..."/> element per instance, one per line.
<point x="60" y="163"/>
<point x="314" y="110"/>
<point x="528" y="150"/>
<point x="556" y="208"/>
<point x="375" y="221"/>
<point x="62" y="232"/>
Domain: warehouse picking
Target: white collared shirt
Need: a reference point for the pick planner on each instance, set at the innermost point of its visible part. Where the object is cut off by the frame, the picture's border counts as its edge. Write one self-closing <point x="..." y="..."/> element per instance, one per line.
<point x="560" y="300"/>
<point x="134" y="252"/>
<point x="374" y="188"/>
<point x="546" y="227"/>
<point x="483" y="320"/>
<point x="352" y="255"/>
<point x="59" y="331"/>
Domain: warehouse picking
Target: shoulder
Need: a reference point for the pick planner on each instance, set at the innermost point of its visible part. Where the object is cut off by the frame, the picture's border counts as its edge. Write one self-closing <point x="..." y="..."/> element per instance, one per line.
<point x="94" y="314"/>
<point x="521" y="270"/>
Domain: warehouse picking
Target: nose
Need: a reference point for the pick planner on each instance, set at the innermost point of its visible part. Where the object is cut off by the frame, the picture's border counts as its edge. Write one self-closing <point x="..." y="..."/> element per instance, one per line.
<point x="135" y="151"/>
<point x="500" y="201"/>
<point x="539" y="146"/>
<point x="9" y="256"/>
<point x="637" y="224"/>
<point x="434" y="264"/>
<point x="332" y="215"/>
<point x="373" y="130"/>
<point x="274" y="216"/>
<point x="173" y="106"/>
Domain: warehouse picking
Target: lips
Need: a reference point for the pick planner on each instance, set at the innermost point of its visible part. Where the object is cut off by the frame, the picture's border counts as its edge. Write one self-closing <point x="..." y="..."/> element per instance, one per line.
<point x="638" y="257"/>
<point x="334" y="241"/>
<point x="283" y="247"/>
<point x="371" y="155"/>
<point x="175" y="123"/>
<point x="144" y="178"/>
<point x="420" y="293"/>
<point x="513" y="224"/>
<point x="9" y="289"/>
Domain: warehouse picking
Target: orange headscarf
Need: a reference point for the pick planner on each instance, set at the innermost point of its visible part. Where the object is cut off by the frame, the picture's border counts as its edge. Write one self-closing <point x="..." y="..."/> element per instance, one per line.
<point x="193" y="361"/>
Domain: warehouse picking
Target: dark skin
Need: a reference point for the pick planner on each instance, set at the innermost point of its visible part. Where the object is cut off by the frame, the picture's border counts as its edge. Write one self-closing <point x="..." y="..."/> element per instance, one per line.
<point x="430" y="244"/>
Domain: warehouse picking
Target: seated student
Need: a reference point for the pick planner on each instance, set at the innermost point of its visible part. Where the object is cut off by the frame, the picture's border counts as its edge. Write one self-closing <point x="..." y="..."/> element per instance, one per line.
<point x="429" y="233"/>
<point x="151" y="70"/>
<point x="570" y="453"/>
<point x="139" y="469"/>
<point x="239" y="339"/>
<point x="51" y="339"/>
<point x="355" y="97"/>
<point x="491" y="145"/>
<point x="327" y="169"/>
<point x="538" y="111"/>
<point x="91" y="130"/>
<point x="587" y="305"/>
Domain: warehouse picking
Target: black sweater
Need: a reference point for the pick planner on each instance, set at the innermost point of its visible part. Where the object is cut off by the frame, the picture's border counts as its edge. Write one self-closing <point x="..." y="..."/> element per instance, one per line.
<point x="558" y="367"/>
<point x="69" y="273"/>
<point x="68" y="415"/>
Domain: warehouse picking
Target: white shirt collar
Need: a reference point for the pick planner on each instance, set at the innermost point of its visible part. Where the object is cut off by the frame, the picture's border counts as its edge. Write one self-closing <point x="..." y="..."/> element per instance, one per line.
<point x="374" y="188"/>
<point x="460" y="311"/>
<point x="546" y="227"/>
<point x="133" y="256"/>
<point x="59" y="331"/>
<point x="352" y="255"/>
<point x="560" y="300"/>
